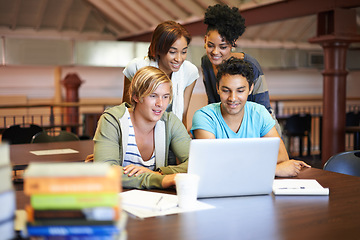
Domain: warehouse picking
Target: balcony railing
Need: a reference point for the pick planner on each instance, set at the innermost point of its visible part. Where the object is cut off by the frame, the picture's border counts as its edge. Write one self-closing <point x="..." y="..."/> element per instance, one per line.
<point x="285" y="107"/>
<point x="51" y="116"/>
<point x="55" y="116"/>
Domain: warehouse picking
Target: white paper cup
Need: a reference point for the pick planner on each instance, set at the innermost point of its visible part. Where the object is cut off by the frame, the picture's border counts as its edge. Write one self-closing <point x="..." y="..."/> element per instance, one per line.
<point x="186" y="189"/>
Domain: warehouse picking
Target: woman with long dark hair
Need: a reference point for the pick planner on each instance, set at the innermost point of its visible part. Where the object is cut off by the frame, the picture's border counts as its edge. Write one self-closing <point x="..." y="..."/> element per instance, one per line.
<point x="168" y="51"/>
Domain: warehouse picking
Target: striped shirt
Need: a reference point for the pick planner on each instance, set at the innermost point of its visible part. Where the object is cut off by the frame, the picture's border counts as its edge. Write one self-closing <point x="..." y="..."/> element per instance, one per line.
<point x="132" y="155"/>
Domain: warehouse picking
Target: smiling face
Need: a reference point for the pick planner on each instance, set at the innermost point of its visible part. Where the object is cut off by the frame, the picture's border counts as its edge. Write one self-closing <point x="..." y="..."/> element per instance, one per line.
<point x="172" y="60"/>
<point x="217" y="48"/>
<point x="234" y="91"/>
<point x="152" y="107"/>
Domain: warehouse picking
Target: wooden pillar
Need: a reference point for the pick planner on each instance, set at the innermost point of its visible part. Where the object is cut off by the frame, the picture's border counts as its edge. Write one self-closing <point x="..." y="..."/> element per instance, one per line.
<point x="57" y="111"/>
<point x="72" y="84"/>
<point x="334" y="99"/>
<point x="57" y="84"/>
<point x="335" y="31"/>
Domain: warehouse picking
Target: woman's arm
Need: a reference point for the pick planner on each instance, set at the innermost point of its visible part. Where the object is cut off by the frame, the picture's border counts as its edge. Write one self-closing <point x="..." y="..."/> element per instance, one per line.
<point x="187" y="97"/>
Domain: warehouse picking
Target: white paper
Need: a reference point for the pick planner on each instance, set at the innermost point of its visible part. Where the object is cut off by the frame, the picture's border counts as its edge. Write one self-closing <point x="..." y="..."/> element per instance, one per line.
<point x="20" y="220"/>
<point x="54" y="151"/>
<point x="298" y="187"/>
<point x="144" y="204"/>
<point x="150" y="200"/>
<point x="4" y="153"/>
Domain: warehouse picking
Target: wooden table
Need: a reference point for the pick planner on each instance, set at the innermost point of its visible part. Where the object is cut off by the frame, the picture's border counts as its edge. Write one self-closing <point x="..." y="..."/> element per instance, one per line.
<point x="336" y="216"/>
<point x="20" y="155"/>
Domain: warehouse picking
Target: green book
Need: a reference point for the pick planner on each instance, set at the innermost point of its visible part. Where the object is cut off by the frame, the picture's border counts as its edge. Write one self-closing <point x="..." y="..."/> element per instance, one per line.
<point x="73" y="201"/>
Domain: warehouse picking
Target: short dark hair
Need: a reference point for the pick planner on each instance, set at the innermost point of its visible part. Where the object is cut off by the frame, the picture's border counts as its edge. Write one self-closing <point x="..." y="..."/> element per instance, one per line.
<point x="236" y="66"/>
<point x="227" y="21"/>
<point x="164" y="36"/>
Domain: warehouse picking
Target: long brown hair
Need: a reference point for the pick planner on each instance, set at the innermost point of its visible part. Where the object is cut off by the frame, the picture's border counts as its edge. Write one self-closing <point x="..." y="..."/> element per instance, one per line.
<point x="164" y="36"/>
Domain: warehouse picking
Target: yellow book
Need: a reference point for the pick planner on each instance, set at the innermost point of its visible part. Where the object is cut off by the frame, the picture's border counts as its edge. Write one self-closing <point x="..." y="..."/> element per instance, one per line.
<point x="71" y="178"/>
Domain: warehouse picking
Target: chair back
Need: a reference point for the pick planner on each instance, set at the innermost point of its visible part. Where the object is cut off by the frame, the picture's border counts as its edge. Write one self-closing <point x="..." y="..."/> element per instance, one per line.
<point x="298" y="125"/>
<point x="345" y="162"/>
<point x="54" y="136"/>
<point x="19" y="134"/>
<point x="352" y="119"/>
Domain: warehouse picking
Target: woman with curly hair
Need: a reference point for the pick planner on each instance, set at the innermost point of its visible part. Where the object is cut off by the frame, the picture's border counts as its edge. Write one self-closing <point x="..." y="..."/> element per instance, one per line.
<point x="224" y="26"/>
<point x="168" y="51"/>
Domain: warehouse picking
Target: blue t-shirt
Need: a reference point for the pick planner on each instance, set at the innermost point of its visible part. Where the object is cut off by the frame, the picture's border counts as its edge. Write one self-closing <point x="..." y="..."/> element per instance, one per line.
<point x="257" y="121"/>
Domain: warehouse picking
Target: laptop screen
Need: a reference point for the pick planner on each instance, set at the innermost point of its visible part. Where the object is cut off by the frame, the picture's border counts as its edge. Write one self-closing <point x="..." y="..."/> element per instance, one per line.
<point x="234" y="167"/>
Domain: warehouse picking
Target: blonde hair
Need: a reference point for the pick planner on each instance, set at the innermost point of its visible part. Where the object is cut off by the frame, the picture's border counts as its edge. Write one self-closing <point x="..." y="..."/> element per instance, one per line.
<point x="146" y="80"/>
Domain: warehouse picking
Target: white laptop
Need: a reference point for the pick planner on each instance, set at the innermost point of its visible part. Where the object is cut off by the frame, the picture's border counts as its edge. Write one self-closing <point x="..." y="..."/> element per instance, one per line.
<point x="234" y="167"/>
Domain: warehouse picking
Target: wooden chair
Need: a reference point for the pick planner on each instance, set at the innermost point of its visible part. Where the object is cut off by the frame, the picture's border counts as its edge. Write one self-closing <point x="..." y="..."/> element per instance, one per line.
<point x="352" y="127"/>
<point x="299" y="125"/>
<point x="19" y="134"/>
<point x="352" y="119"/>
<point x="54" y="136"/>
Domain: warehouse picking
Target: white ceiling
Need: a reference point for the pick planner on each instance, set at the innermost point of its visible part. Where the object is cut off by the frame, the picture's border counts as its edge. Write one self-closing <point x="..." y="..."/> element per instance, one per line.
<point x="123" y="19"/>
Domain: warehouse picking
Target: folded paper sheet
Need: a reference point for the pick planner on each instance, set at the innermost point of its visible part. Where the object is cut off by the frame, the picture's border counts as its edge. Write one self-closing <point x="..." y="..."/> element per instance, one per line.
<point x="144" y="204"/>
<point x="298" y="187"/>
<point x="54" y="151"/>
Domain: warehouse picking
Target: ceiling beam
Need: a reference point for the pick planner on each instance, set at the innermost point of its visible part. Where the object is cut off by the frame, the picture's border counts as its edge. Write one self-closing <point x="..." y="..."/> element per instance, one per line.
<point x="292" y="9"/>
<point x="305" y="29"/>
<point x="64" y="12"/>
<point x="191" y="7"/>
<point x="268" y="13"/>
<point x="141" y="13"/>
<point x="15" y="14"/>
<point x="205" y="3"/>
<point x="84" y="18"/>
<point x="276" y="31"/>
<point x="288" y="32"/>
<point x="172" y="9"/>
<point x="112" y="14"/>
<point x="155" y="10"/>
<point x="126" y="13"/>
<point x="40" y="14"/>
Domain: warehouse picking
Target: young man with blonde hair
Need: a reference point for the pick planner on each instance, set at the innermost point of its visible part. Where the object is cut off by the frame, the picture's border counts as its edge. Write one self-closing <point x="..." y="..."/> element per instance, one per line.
<point x="138" y="137"/>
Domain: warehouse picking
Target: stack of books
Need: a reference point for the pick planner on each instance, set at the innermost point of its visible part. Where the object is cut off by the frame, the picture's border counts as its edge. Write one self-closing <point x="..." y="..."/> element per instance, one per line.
<point x="7" y="195"/>
<point x="74" y="201"/>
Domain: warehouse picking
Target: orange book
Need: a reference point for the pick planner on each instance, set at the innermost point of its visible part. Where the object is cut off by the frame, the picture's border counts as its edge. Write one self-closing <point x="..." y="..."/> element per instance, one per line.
<point x="73" y="184"/>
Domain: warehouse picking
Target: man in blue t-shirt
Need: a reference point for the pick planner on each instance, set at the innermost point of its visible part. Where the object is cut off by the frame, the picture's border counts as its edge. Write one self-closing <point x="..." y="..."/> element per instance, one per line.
<point x="234" y="117"/>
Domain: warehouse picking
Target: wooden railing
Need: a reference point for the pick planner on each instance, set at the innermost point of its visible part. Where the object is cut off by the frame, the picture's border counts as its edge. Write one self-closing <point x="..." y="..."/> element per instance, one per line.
<point x="287" y="106"/>
<point x="48" y="115"/>
<point x="53" y="115"/>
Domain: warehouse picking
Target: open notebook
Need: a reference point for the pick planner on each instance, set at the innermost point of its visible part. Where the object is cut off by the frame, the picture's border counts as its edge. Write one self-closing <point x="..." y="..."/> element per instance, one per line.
<point x="234" y="167"/>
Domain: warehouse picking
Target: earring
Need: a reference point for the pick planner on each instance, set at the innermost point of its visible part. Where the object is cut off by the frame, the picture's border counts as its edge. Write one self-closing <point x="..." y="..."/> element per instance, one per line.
<point x="204" y="46"/>
<point x="233" y="49"/>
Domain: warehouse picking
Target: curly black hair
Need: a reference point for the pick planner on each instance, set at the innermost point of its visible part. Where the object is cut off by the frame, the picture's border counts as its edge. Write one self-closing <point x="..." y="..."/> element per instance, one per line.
<point x="236" y="66"/>
<point x="227" y="21"/>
